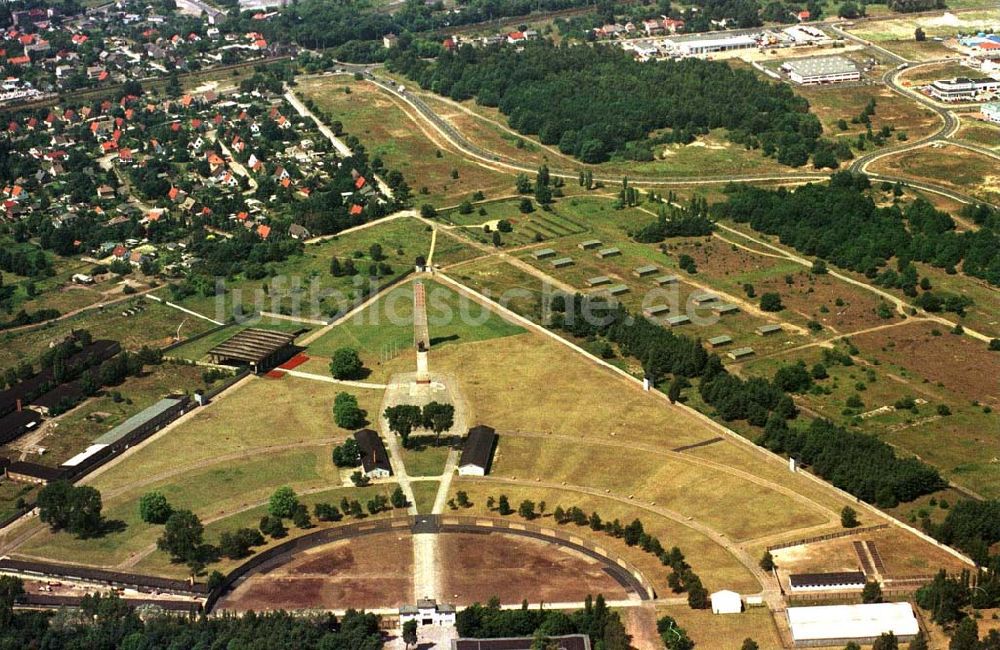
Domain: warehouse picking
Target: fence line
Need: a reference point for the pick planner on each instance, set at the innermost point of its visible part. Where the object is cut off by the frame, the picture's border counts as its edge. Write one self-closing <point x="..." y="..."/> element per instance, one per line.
<point x="195" y="337"/>
<point x="828" y="536"/>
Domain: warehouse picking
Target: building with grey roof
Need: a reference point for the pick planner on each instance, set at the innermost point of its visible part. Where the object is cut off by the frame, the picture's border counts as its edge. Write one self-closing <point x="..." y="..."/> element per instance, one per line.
<point x="822" y="70"/>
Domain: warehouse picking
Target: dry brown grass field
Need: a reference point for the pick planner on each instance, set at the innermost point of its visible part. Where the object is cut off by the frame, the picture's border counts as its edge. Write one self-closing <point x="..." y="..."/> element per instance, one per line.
<point x="386" y="129"/>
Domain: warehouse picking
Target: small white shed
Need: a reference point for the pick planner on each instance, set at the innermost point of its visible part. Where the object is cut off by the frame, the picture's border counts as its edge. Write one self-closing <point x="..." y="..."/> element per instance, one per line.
<point x="726" y="602"/>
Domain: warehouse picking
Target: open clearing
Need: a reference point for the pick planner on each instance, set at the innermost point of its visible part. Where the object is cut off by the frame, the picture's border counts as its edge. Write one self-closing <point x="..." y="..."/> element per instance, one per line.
<point x="982" y="133"/>
<point x="832" y="104"/>
<point x="945" y="370"/>
<point x="710" y="630"/>
<point x="384" y="330"/>
<point x="945" y="24"/>
<point x="424" y="493"/>
<point x="387" y="131"/>
<point x="156" y="325"/>
<point x="949" y="166"/>
<point x="478" y="567"/>
<point x="239" y="424"/>
<point x="374" y="571"/>
<point x="731" y="268"/>
<point x="955" y="362"/>
<point x="730" y="504"/>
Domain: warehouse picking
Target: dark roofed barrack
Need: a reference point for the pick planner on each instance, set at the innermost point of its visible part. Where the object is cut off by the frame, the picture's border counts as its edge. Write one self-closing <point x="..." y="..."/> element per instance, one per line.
<point x="373" y="454"/>
<point x="568" y="642"/>
<point x="255" y="347"/>
<point x="826" y="580"/>
<point x="478" y="448"/>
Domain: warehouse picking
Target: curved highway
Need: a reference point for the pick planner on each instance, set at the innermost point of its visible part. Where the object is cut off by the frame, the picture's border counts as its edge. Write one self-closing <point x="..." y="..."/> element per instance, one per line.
<point x="486" y="157"/>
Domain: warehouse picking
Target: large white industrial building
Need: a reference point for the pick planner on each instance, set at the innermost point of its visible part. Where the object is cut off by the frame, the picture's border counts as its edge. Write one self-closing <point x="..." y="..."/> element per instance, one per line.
<point x="822" y="70"/>
<point x="837" y="625"/>
<point x="698" y="46"/>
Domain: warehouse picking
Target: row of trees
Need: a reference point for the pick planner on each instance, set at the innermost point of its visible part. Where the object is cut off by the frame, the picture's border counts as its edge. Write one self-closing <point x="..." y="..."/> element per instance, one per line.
<point x="539" y="90"/>
<point x="109" y="622"/>
<point x="839" y="222"/>
<point x="596" y="620"/>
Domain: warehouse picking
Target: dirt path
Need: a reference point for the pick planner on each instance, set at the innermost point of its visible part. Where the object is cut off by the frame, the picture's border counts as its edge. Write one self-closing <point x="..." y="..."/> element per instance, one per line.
<point x="828" y="342"/>
<point x="510" y="259"/>
<point x="99" y="304"/>
<point x="368" y="224"/>
<point x="321" y="332"/>
<point x="331" y="380"/>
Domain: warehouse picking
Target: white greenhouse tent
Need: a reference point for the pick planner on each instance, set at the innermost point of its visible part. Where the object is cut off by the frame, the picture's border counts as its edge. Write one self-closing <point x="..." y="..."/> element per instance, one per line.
<point x="726" y="602"/>
<point x="836" y="625"/>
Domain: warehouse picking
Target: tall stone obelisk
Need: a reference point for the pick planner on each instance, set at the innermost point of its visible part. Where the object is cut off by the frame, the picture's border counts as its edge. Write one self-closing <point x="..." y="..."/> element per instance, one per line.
<point x="421" y="335"/>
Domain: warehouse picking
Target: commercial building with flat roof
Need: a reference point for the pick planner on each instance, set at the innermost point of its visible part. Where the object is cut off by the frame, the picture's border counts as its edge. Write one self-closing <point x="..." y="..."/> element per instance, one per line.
<point x="962" y="89"/>
<point x="710" y="45"/>
<point x="838" y="625"/>
<point x="143" y="422"/>
<point x="822" y="70"/>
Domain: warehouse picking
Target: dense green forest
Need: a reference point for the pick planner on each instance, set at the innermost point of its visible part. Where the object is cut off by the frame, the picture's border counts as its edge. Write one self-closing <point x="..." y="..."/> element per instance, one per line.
<point x="840" y="222"/>
<point x="973" y="526"/>
<point x="856" y="462"/>
<point x="598" y="102"/>
<point x="108" y="623"/>
<point x="316" y="24"/>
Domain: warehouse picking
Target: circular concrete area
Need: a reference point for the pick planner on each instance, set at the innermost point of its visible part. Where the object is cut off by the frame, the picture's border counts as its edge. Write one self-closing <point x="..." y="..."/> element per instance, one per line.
<point x="376" y="571"/>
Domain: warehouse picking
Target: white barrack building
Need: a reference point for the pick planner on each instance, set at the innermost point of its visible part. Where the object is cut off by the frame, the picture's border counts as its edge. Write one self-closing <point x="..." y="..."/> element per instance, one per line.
<point x="837" y="625"/>
<point x="822" y="70"/>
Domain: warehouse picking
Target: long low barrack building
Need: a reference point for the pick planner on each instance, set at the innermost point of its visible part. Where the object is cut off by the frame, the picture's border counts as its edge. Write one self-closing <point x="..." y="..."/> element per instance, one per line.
<point x="258" y="348"/>
<point x="835" y="581"/>
<point x="838" y="625"/>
